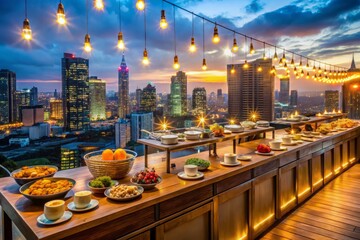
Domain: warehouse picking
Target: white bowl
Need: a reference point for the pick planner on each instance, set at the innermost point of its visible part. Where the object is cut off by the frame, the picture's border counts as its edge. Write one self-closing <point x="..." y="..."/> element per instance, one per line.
<point x="230" y="158"/>
<point x="276" y="144"/>
<point x="169" y="139"/>
<point x="192" y="135"/>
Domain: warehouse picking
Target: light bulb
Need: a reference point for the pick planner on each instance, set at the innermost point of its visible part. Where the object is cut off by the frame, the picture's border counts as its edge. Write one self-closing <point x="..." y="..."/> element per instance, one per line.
<point x="300" y="64"/>
<point x="99" y="4"/>
<point x="264" y="56"/>
<point x="216" y="38"/>
<point x="192" y="47"/>
<point x="26" y="31"/>
<point x="121" y="44"/>
<point x="251" y="49"/>
<point x="275" y="56"/>
<point x="302" y="73"/>
<point x="259" y="69"/>
<point x="319" y="70"/>
<point x="292" y="63"/>
<point x="140" y="5"/>
<point x="204" y="67"/>
<point x="283" y="58"/>
<point x="163" y="22"/>
<point x="60" y="15"/>
<point x="246" y="65"/>
<point x="314" y="68"/>
<point x="176" y="63"/>
<point x="145" y="59"/>
<point x="87" y="44"/>
<point x="295" y="69"/>
<point x="232" y="71"/>
<point x="235" y="47"/>
<point x="307" y="75"/>
<point x="297" y="76"/>
<point x="285" y="66"/>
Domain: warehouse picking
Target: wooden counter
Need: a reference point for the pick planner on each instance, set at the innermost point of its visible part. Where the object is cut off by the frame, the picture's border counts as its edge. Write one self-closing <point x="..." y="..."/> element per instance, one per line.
<point x="261" y="192"/>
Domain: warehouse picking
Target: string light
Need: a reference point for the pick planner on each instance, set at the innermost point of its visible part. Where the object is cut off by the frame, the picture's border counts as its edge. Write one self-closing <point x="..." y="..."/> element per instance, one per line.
<point x="99" y="4"/>
<point x="302" y="73"/>
<point x="87" y="44"/>
<point x="216" y="38"/>
<point x="163" y="22"/>
<point x="264" y="55"/>
<point x="121" y="44"/>
<point x="232" y="70"/>
<point x="176" y="64"/>
<point x="307" y="75"/>
<point x="307" y="63"/>
<point x="283" y="59"/>
<point x="292" y="63"/>
<point x="192" y="47"/>
<point x="60" y="15"/>
<point x="26" y="31"/>
<point x="275" y="55"/>
<point x="251" y="49"/>
<point x="259" y="68"/>
<point x="246" y="65"/>
<point x="235" y="47"/>
<point x="140" y="5"/>
<point x="300" y="64"/>
<point x="204" y="67"/>
<point x="145" y="60"/>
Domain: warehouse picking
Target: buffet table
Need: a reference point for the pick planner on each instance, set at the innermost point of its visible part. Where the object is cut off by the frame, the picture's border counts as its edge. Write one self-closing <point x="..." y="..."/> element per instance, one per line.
<point x="262" y="191"/>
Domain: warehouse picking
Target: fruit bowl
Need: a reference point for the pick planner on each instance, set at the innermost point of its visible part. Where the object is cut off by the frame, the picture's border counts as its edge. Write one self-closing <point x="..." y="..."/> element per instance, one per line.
<point x="146" y="186"/>
<point x="147" y="179"/>
<point x="115" y="169"/>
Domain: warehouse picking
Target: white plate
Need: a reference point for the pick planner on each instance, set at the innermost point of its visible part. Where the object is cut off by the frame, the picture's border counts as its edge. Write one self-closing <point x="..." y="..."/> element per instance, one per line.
<point x="44" y="221"/>
<point x="244" y="157"/>
<point x="279" y="149"/>
<point x="293" y="143"/>
<point x="140" y="190"/>
<point x="93" y="204"/>
<point x="182" y="175"/>
<point x="299" y="141"/>
<point x="237" y="163"/>
<point x="265" y="154"/>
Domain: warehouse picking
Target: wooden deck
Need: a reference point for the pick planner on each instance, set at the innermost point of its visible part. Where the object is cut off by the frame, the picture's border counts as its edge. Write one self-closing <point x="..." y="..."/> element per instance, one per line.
<point x="332" y="213"/>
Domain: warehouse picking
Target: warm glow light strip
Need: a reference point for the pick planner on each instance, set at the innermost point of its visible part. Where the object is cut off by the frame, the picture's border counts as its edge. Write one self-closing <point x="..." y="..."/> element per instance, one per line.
<point x="352" y="160"/>
<point x="286" y="204"/>
<point x="318" y="182"/>
<point x="267" y="218"/>
<point x="303" y="192"/>
<point x="337" y="170"/>
<point x="243" y="237"/>
<point x="328" y="175"/>
<point x="345" y="164"/>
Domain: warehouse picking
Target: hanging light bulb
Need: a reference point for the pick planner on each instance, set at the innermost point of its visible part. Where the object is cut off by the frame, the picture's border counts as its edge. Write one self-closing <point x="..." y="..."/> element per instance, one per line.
<point x="259" y="69"/>
<point x="319" y="69"/>
<point x="87" y="44"/>
<point x="297" y="76"/>
<point x="216" y="38"/>
<point x="145" y="59"/>
<point x="140" y="5"/>
<point x="314" y="68"/>
<point x="176" y="63"/>
<point x="325" y="71"/>
<point x="275" y="55"/>
<point x="283" y="57"/>
<point x="300" y="64"/>
<point x="99" y="4"/>
<point x="251" y="49"/>
<point x="302" y="73"/>
<point x="307" y="63"/>
<point x="246" y="65"/>
<point x="292" y="63"/>
<point x="264" y="55"/>
<point x="204" y="67"/>
<point x="285" y="66"/>
<point x="60" y="15"/>
<point x="295" y="69"/>
<point x="192" y="47"/>
<point x="232" y="71"/>
<point x="163" y="22"/>
<point x="307" y="75"/>
<point x="235" y="47"/>
<point x="121" y="44"/>
<point x="26" y="31"/>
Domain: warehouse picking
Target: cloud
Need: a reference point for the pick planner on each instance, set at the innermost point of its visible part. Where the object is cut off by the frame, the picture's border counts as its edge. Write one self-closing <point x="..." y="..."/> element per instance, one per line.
<point x="254" y="7"/>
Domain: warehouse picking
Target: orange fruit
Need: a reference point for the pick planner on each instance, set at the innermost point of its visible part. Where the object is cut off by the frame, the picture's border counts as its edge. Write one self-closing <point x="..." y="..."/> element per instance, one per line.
<point x="107" y="154"/>
<point x="119" y="154"/>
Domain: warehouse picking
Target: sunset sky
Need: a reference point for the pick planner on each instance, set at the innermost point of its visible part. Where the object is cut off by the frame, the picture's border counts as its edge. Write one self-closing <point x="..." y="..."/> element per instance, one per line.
<point x="328" y="30"/>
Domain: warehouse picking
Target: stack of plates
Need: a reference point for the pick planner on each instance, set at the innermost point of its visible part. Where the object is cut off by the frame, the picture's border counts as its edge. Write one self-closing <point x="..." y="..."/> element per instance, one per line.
<point x="262" y="124"/>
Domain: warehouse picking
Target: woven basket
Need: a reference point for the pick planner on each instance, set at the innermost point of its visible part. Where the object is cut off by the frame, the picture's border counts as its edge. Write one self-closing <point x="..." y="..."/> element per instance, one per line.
<point x="115" y="169"/>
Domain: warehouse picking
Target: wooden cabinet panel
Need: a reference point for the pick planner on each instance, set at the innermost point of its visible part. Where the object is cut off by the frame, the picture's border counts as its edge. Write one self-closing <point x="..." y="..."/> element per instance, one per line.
<point x="337" y="159"/>
<point x="317" y="178"/>
<point x="328" y="166"/>
<point x="352" y="151"/>
<point x="286" y="189"/>
<point x="232" y="181"/>
<point x="304" y="178"/>
<point x="345" y="154"/>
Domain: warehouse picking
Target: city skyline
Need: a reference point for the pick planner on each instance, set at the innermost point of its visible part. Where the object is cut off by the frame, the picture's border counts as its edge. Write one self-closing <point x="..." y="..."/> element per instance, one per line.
<point x="40" y="65"/>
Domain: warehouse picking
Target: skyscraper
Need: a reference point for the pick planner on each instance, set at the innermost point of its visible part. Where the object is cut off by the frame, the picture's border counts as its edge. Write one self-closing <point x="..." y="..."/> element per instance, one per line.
<point x="251" y="90"/>
<point x="123" y="91"/>
<point x="122" y="133"/>
<point x="178" y="94"/>
<point x="56" y="109"/>
<point x="351" y="93"/>
<point x="22" y="100"/>
<point x="7" y="96"/>
<point x="97" y="99"/>
<point x="141" y="121"/>
<point x="148" y="98"/>
<point x="33" y="96"/>
<point x="293" y="98"/>
<point x="199" y="103"/>
<point x="284" y="90"/>
<point x="219" y="98"/>
<point x="138" y="98"/>
<point x="75" y="92"/>
<point x="331" y="100"/>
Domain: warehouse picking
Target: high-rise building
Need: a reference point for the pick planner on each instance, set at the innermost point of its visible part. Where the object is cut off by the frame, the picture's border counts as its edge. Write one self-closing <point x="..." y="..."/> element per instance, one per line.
<point x="251" y="90"/>
<point x="75" y="92"/>
<point x="141" y="121"/>
<point x="33" y="96"/>
<point x="56" y="109"/>
<point x="331" y="100"/>
<point x="219" y="98"/>
<point x="122" y="133"/>
<point x="56" y="95"/>
<point x="293" y="98"/>
<point x="30" y="115"/>
<point x="178" y="94"/>
<point x="138" y="98"/>
<point x="123" y="85"/>
<point x="148" y="98"/>
<point x="7" y="96"/>
<point x="351" y="93"/>
<point x="199" y="103"/>
<point x="284" y="90"/>
<point x="22" y="100"/>
<point x="70" y="156"/>
<point x="97" y="99"/>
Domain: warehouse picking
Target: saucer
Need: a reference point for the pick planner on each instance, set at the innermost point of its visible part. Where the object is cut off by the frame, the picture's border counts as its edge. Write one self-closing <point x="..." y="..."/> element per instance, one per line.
<point x="44" y="221"/>
<point x="293" y="143"/>
<point x="265" y="154"/>
<point x="299" y="141"/>
<point x="182" y="175"/>
<point x="244" y="157"/>
<point x="237" y="163"/>
<point x="279" y="149"/>
<point x="93" y="204"/>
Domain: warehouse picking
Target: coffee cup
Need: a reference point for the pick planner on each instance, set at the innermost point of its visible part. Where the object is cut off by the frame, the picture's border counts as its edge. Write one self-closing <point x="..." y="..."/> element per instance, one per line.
<point x="276" y="144"/>
<point x="190" y="170"/>
<point x="287" y="139"/>
<point x="82" y="199"/>
<point x="53" y="210"/>
<point x="230" y="158"/>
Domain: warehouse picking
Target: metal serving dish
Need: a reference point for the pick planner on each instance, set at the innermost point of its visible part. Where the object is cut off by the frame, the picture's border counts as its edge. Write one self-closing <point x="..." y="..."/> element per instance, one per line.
<point x="22" y="181"/>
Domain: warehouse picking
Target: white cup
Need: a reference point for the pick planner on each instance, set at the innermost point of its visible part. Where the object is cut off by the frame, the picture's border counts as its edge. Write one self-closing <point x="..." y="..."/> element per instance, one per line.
<point x="53" y="210"/>
<point x="287" y="139"/>
<point x="190" y="170"/>
<point x="230" y="158"/>
<point x="82" y="199"/>
<point x="276" y="144"/>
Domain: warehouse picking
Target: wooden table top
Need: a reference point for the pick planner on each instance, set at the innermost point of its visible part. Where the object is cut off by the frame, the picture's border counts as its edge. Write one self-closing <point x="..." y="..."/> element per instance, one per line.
<point x="24" y="213"/>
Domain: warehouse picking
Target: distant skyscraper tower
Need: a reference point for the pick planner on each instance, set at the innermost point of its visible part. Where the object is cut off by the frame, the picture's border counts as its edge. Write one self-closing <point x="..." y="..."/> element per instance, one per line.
<point x="138" y="98"/>
<point x="219" y="98"/>
<point x="284" y="90"/>
<point x="351" y="93"/>
<point x="22" y="100"/>
<point x="7" y="96"/>
<point x="122" y="133"/>
<point x="123" y="85"/>
<point x="148" y="98"/>
<point x="75" y="92"/>
<point x="33" y="96"/>
<point x="199" y="103"/>
<point x="331" y="100"/>
<point x="141" y="121"/>
<point x="178" y="94"/>
<point x="56" y="95"/>
<point x="97" y="99"/>
<point x="251" y="90"/>
<point x="293" y="98"/>
<point x="56" y="109"/>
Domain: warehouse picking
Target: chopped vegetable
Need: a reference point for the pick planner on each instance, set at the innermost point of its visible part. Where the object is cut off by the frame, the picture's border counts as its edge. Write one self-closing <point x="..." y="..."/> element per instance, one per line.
<point x="101" y="182"/>
<point x="198" y="162"/>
